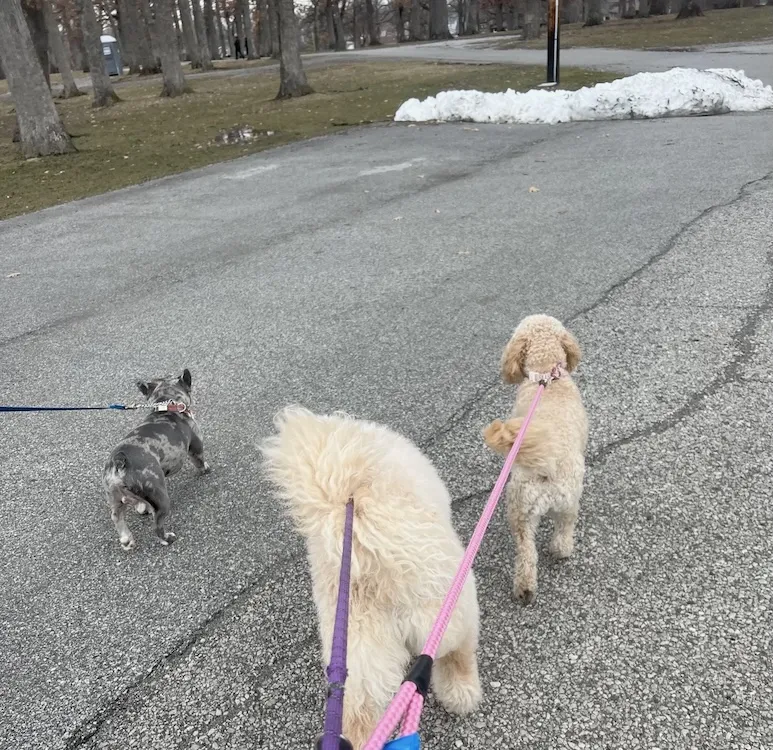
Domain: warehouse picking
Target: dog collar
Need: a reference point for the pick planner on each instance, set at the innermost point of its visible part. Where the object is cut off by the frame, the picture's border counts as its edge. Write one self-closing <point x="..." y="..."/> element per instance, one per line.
<point x="174" y="407"/>
<point x="558" y="371"/>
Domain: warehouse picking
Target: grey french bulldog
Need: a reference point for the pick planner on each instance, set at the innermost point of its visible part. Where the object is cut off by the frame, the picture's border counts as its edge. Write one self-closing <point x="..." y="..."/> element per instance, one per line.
<point x="135" y="473"/>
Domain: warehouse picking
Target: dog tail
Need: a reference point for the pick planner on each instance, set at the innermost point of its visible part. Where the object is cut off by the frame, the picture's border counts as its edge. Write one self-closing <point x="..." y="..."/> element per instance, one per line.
<point x="536" y="451"/>
<point x="318" y="463"/>
<point x="131" y="496"/>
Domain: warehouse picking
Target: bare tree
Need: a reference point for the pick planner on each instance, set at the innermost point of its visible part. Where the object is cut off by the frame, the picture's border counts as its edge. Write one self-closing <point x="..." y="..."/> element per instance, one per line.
<point x="40" y="127"/>
<point x="104" y="95"/>
<point x="644" y="9"/>
<point x="531" y="25"/>
<point x="189" y="33"/>
<point x="165" y="36"/>
<point x="371" y="18"/>
<point x="209" y="24"/>
<point x="438" y="19"/>
<point x="225" y="39"/>
<point x="414" y="23"/>
<point x="292" y="78"/>
<point x="594" y="15"/>
<point x="36" y="23"/>
<point x="69" y="87"/>
<point x="689" y="8"/>
<point x="205" y="54"/>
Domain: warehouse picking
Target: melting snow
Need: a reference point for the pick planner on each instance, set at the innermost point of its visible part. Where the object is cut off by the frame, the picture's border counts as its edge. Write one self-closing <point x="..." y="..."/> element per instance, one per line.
<point x="675" y="93"/>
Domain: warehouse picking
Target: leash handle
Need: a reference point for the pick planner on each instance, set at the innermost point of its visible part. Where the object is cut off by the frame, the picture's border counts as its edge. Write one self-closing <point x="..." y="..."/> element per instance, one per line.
<point x="332" y="738"/>
<point x="408" y="703"/>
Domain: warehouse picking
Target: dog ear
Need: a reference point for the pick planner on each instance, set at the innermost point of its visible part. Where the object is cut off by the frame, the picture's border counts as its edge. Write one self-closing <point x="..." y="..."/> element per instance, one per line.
<point x="514" y="359"/>
<point x="186" y="378"/>
<point x="572" y="350"/>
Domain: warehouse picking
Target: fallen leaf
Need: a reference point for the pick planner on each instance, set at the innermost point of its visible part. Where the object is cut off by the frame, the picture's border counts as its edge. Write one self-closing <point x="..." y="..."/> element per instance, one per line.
<point x="13" y="275"/>
<point x="397" y="218"/>
<point x="474" y="130"/>
<point x="533" y="189"/>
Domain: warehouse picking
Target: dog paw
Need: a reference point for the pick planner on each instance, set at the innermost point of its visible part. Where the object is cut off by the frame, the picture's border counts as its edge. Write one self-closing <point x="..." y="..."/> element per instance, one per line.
<point x="169" y="538"/>
<point x="206" y="469"/>
<point x="525" y="594"/>
<point x="462" y="697"/>
<point x="561" y="548"/>
<point x="141" y="508"/>
<point x="497" y="437"/>
<point x="128" y="544"/>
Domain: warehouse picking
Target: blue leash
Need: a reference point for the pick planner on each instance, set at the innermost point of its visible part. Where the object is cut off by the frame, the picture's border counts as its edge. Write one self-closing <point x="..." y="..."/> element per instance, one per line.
<point x="114" y="407"/>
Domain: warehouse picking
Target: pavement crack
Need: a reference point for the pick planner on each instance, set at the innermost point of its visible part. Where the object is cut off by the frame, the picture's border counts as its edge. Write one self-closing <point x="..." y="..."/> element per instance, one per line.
<point x="91" y="726"/>
<point x="744" y="191"/>
<point x="732" y="373"/>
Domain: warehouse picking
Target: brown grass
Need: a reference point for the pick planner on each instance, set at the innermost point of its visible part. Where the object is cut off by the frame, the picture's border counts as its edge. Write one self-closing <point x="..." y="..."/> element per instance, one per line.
<point x="715" y="27"/>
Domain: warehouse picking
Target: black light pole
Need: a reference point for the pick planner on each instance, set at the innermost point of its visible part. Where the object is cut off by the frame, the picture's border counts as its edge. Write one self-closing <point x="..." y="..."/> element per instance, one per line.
<point x="553" y="45"/>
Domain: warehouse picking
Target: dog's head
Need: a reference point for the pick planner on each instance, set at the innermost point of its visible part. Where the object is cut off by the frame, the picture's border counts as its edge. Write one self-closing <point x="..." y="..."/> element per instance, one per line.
<point x="538" y="344"/>
<point x="168" y="389"/>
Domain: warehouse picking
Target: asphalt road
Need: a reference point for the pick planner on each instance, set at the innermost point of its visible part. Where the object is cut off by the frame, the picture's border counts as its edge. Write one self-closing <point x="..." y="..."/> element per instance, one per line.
<point x="755" y="59"/>
<point x="381" y="271"/>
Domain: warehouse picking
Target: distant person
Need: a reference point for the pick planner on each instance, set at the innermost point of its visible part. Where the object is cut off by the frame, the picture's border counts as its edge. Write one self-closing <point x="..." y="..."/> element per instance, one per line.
<point x="237" y="47"/>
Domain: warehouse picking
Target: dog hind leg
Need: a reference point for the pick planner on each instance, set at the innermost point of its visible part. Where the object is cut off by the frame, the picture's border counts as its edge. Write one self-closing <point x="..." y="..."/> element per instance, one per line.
<point x="562" y="542"/>
<point x="118" y="515"/>
<point x="524" y="518"/>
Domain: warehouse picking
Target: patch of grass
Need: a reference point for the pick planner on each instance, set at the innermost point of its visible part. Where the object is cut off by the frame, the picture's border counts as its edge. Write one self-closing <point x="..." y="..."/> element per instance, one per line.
<point x="145" y="136"/>
<point x="715" y="27"/>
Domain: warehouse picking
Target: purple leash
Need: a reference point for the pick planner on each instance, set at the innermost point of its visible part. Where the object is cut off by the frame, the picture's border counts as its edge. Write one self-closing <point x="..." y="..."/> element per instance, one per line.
<point x="332" y="739"/>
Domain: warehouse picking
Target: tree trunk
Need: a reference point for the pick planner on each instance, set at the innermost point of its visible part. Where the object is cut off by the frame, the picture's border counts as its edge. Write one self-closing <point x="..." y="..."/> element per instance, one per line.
<point x="36" y="23"/>
<point x="414" y="24"/>
<point x="438" y="19"/>
<point x="471" y="20"/>
<point x="148" y="29"/>
<point x="205" y="55"/>
<point x="499" y="24"/>
<point x="239" y="28"/>
<point x="531" y="25"/>
<point x="399" y="16"/>
<point x="250" y="38"/>
<point x="315" y="25"/>
<point x="594" y="15"/>
<point x="40" y="128"/>
<point x="224" y="39"/>
<point x="644" y="9"/>
<point x="189" y="32"/>
<point x="264" y="28"/>
<point x="356" y="26"/>
<point x="689" y="8"/>
<point x="371" y="14"/>
<point x="209" y="25"/>
<point x="69" y="89"/>
<point x="104" y="95"/>
<point x="338" y="26"/>
<point x="659" y="7"/>
<point x="273" y="12"/>
<point x="291" y="74"/>
<point x="165" y="37"/>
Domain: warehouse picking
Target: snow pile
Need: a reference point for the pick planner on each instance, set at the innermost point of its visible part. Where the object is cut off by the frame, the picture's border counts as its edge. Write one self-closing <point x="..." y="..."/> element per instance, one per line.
<point x="675" y="93"/>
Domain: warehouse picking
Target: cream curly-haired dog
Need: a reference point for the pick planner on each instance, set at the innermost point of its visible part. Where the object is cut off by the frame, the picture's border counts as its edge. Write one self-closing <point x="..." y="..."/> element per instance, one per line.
<point x="548" y="474"/>
<point x="405" y="553"/>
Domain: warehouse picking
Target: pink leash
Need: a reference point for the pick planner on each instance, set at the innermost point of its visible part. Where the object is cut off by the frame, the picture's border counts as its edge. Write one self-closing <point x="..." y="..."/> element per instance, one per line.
<point x="409" y="701"/>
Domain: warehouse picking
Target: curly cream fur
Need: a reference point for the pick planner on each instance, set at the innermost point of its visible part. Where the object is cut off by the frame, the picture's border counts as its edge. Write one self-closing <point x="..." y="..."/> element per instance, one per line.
<point x="550" y="468"/>
<point x="404" y="555"/>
